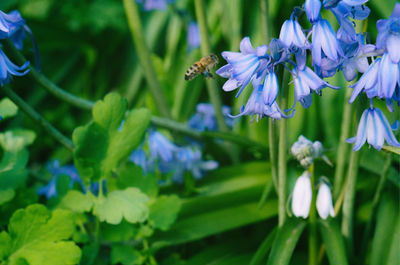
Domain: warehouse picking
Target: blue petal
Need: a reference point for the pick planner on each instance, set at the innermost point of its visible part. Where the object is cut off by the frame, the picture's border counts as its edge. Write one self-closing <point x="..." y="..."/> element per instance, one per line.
<point x="387" y="132"/>
<point x="246" y="47"/>
<point x="313" y="8"/>
<point x="361" y="136"/>
<point x="388" y="77"/>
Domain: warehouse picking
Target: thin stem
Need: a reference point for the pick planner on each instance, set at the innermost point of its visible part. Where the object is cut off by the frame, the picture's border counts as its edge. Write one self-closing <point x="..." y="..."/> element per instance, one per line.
<point x="350" y="190"/>
<point x="312" y="220"/>
<point x="343" y="148"/>
<point x="212" y="87"/>
<point x="38" y="118"/>
<point x="375" y="203"/>
<point x="135" y="25"/>
<point x="45" y="82"/>
<point x="264" y="7"/>
<point x="282" y="152"/>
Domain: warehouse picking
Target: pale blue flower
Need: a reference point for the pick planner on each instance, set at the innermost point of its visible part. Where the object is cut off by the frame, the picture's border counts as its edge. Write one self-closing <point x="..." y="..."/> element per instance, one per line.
<point x="50" y="190"/>
<point x="324" y="43"/>
<point x="256" y="106"/>
<point x="243" y="66"/>
<point x="10" y="23"/>
<point x="155" y="4"/>
<point x="373" y="128"/>
<point x="8" y="68"/>
<point x="160" y="146"/>
<point x="313" y="8"/>
<point x="193" y="36"/>
<point x="389" y="34"/>
<point x="292" y="35"/>
<point x="382" y="80"/>
<point x="205" y="120"/>
<point x="305" y="82"/>
<point x="139" y="157"/>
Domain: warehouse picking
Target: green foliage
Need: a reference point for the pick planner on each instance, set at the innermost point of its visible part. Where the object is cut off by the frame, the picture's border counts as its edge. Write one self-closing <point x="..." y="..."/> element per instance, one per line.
<point x="286" y="241"/>
<point x="164" y="211"/>
<point x="100" y="145"/>
<point x="7" y="108"/>
<point x="333" y="241"/>
<point x="129" y="204"/>
<point x="126" y="255"/>
<point x="36" y="236"/>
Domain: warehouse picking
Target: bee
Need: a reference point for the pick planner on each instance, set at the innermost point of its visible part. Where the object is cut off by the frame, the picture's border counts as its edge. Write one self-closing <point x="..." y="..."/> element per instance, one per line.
<point x="203" y="66"/>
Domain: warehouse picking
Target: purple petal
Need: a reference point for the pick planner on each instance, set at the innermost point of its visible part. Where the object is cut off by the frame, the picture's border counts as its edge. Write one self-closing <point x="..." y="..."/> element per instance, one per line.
<point x="246" y="47"/>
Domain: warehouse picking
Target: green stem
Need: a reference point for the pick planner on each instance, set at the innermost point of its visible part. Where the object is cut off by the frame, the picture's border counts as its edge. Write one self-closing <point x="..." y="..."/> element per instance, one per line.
<point x="135" y="25"/>
<point x="282" y="152"/>
<point x="312" y="221"/>
<point x="349" y="195"/>
<point x="375" y="203"/>
<point x="343" y="148"/>
<point x="264" y="8"/>
<point x="212" y="87"/>
<point x="38" y="118"/>
<point x="46" y="83"/>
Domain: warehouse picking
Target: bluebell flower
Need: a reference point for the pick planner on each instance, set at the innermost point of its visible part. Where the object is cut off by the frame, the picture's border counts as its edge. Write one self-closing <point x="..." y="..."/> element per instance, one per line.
<point x="187" y="159"/>
<point x="324" y="201"/>
<point x="389" y="34"/>
<point x="205" y="119"/>
<point x="8" y="68"/>
<point x="160" y="147"/>
<point x="54" y="168"/>
<point x="324" y="43"/>
<point x="373" y="128"/>
<point x="305" y="82"/>
<point x="302" y="195"/>
<point x="10" y="23"/>
<point x="382" y="80"/>
<point x="256" y="106"/>
<point x="155" y="4"/>
<point x="193" y="35"/>
<point x="243" y="66"/>
<point x="313" y="8"/>
<point x="139" y="157"/>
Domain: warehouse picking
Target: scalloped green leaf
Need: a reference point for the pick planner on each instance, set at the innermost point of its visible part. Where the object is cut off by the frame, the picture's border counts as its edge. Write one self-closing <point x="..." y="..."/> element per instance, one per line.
<point x="130" y="204"/>
<point x="103" y="143"/>
<point x="164" y="211"/>
<point x="77" y="201"/>
<point x="37" y="236"/>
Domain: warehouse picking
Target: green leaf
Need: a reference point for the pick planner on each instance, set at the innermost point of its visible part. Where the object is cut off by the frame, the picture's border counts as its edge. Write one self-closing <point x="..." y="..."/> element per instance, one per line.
<point x="131" y="175"/>
<point x="15" y="140"/>
<point x="386" y="221"/>
<point x="286" y="241"/>
<point x="7" y="108"/>
<point x="263" y="249"/>
<point x="332" y="237"/>
<point x="6" y="195"/>
<point x="77" y="201"/>
<point x="39" y="237"/>
<point x="393" y="149"/>
<point x="129" y="203"/>
<point x="197" y="226"/>
<point x="164" y="211"/>
<point x="394" y="253"/>
<point x="126" y="255"/>
<point x="101" y="145"/>
<point x="116" y="233"/>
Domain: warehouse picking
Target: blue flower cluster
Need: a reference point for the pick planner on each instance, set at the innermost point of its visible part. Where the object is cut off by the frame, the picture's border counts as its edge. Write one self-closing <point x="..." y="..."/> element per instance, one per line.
<point x="56" y="170"/>
<point x="204" y="119"/>
<point x="12" y="26"/>
<point x="344" y="50"/>
<point x="169" y="158"/>
<point x="155" y="4"/>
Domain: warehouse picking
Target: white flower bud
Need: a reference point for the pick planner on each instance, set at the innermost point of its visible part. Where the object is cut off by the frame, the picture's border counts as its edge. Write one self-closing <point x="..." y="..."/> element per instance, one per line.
<point x="302" y="195"/>
<point x="324" y="202"/>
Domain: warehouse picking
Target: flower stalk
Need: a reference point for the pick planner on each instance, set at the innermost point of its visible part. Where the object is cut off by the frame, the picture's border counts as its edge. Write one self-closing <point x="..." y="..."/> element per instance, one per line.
<point x="312" y="222"/>
<point x="212" y="87"/>
<point x="282" y="153"/>
<point x="135" y="25"/>
<point x="56" y="134"/>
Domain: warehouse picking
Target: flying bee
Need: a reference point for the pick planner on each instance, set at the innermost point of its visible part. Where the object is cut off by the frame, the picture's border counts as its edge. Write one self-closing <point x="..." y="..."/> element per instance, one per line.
<point x="203" y="66"/>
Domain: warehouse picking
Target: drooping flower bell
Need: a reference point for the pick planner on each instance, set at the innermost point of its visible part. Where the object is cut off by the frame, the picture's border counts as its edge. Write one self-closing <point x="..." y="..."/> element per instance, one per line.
<point x="373" y="128"/>
<point x="302" y="195"/>
<point x="8" y="68"/>
<point x="324" y="201"/>
<point x="389" y="34"/>
<point x="243" y="66"/>
<point x="205" y="120"/>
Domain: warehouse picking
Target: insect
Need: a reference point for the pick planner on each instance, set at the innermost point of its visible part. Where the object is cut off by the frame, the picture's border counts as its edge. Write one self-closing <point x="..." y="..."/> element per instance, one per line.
<point x="203" y="66"/>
